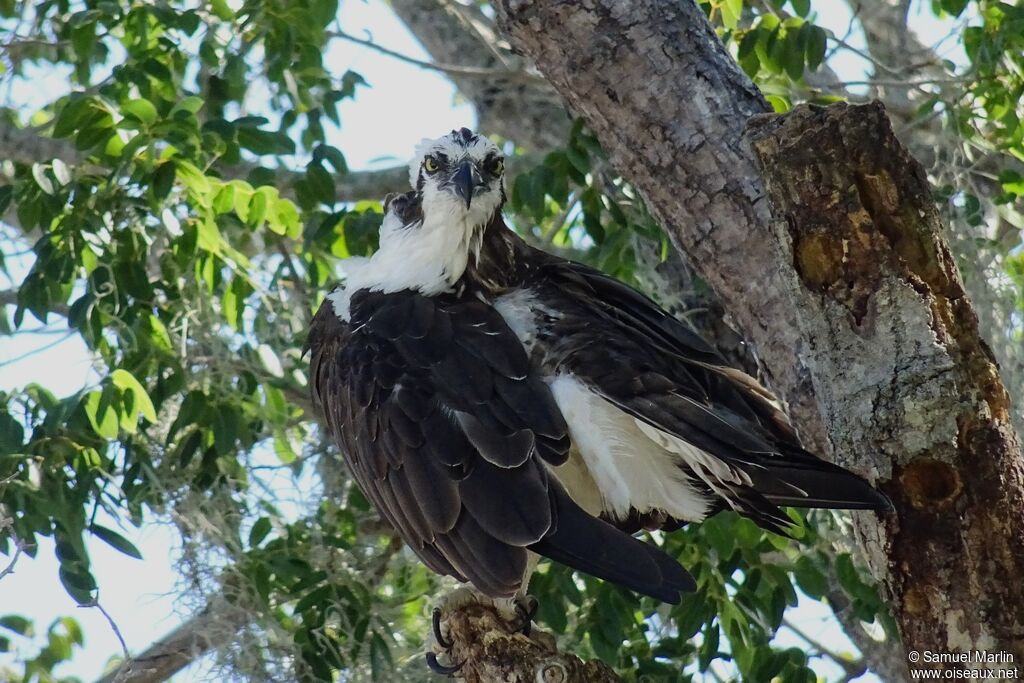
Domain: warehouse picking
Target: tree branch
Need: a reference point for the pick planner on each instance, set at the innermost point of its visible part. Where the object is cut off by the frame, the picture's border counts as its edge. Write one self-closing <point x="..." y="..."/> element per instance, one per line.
<point x="449" y="69"/>
<point x="19" y="545"/>
<point x="852" y="668"/>
<point x="491" y="647"/>
<point x="26" y="146"/>
<point x="212" y="628"/>
<point x="525" y="110"/>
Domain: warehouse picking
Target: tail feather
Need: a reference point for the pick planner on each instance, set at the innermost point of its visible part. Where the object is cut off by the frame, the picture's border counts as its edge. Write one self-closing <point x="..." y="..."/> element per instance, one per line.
<point x="595" y="547"/>
<point x="823" y="486"/>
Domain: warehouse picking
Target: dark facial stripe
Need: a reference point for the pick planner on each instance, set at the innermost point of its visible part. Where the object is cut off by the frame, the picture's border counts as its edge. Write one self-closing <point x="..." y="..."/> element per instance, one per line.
<point x="468" y="136"/>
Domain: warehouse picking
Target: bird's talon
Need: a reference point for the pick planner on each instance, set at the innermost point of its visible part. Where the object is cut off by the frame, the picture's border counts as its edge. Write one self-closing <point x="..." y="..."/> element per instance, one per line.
<point x="438" y="636"/>
<point x="442" y="669"/>
<point x="527" y="612"/>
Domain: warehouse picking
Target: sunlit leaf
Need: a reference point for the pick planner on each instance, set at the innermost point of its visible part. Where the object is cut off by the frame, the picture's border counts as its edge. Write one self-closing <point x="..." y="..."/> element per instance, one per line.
<point x="125" y="381"/>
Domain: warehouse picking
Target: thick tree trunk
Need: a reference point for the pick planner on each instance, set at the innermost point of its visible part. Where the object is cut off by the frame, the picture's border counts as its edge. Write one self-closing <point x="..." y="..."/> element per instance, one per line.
<point x="901" y="374"/>
<point x="849" y="293"/>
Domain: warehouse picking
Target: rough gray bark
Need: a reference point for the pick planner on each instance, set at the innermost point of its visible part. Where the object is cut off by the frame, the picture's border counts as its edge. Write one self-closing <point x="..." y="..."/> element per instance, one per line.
<point x="900" y="55"/>
<point x="529" y="113"/>
<point x="670" y="111"/>
<point x="217" y="624"/>
<point x="889" y="375"/>
<point x="902" y="371"/>
<point x="493" y="649"/>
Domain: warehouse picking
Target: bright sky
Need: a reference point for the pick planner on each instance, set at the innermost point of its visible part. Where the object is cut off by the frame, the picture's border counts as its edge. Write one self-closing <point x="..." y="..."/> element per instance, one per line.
<point x="402" y="104"/>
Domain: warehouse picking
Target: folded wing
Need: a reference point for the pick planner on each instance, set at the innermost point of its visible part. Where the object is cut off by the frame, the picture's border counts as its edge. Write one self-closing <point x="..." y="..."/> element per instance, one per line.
<point x="729" y="432"/>
<point x="449" y="432"/>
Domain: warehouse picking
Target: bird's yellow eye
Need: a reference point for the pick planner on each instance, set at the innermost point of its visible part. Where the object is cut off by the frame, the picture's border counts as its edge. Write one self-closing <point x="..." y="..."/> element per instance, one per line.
<point x="497" y="166"/>
<point x="430" y="165"/>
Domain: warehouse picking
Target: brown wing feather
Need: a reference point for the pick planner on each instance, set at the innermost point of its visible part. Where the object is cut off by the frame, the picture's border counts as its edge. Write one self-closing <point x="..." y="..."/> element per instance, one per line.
<point x="405" y="390"/>
<point x="447" y="430"/>
<point x="652" y="366"/>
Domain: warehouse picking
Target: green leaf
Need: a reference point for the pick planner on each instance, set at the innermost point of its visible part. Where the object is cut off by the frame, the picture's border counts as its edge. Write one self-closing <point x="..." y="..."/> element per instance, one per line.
<point x="287" y="217"/>
<point x="283" y="448"/>
<point x="158" y="334"/>
<point x="732" y="10"/>
<point x="125" y="381"/>
<point x="61" y="172"/>
<point x="333" y="155"/>
<point x="222" y="10"/>
<point x="816" y="43"/>
<point x="847" y="574"/>
<point x="225" y="430"/>
<point x="78" y="582"/>
<point x="190" y="104"/>
<point x="793" y="54"/>
<point x="801" y="7"/>
<point x="258" y="207"/>
<point x="953" y="7"/>
<point x="259" y="531"/>
<point x="141" y="110"/>
<point x="194" y="179"/>
<point x="18" y="624"/>
<point x="163" y="180"/>
<point x="6" y="197"/>
<point x="810" y="578"/>
<point x="243" y="193"/>
<point x="224" y="200"/>
<point x="269" y="360"/>
<point x="380" y="658"/>
<point x="102" y="416"/>
<point x="115" y="540"/>
<point x="709" y="648"/>
<point x="72" y="116"/>
<point x="779" y="104"/>
<point x="320" y="183"/>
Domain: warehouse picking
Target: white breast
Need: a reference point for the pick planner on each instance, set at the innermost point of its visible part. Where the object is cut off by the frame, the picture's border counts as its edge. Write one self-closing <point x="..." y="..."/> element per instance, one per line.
<point x="427" y="257"/>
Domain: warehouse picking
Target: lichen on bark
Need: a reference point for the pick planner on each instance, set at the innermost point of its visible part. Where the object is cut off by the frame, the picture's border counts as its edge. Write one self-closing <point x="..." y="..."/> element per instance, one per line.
<point x="491" y="647"/>
<point x="891" y="310"/>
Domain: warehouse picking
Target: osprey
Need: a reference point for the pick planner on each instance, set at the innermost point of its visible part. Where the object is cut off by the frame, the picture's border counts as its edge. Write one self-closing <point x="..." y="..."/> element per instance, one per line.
<point x="497" y="403"/>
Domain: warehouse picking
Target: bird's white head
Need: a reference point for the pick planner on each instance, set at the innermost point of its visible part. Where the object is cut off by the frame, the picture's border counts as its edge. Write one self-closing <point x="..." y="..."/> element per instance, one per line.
<point x="460" y="176"/>
<point x="429" y="237"/>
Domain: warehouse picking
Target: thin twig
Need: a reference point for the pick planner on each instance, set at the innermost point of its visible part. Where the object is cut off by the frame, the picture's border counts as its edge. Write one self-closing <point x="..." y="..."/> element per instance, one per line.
<point x="559" y="221"/>
<point x="906" y="84"/>
<point x="29" y="354"/>
<point x="114" y="626"/>
<point x="851" y="667"/>
<point x="861" y="53"/>
<point x="19" y="548"/>
<point x="451" y="69"/>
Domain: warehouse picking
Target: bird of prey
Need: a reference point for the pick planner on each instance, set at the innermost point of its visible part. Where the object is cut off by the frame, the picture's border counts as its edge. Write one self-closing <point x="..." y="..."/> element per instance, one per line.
<point x="497" y="403"/>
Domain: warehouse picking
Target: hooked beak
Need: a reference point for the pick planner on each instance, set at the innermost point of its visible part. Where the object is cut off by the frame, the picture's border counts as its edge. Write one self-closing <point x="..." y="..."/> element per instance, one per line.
<point x="465" y="180"/>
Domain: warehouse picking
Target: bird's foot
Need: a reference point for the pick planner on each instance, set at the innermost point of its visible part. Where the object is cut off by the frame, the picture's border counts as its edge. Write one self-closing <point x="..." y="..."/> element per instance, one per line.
<point x="435" y="621"/>
<point x="442" y="645"/>
<point x="443" y="669"/>
<point x="525" y="609"/>
<point x="516" y="614"/>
